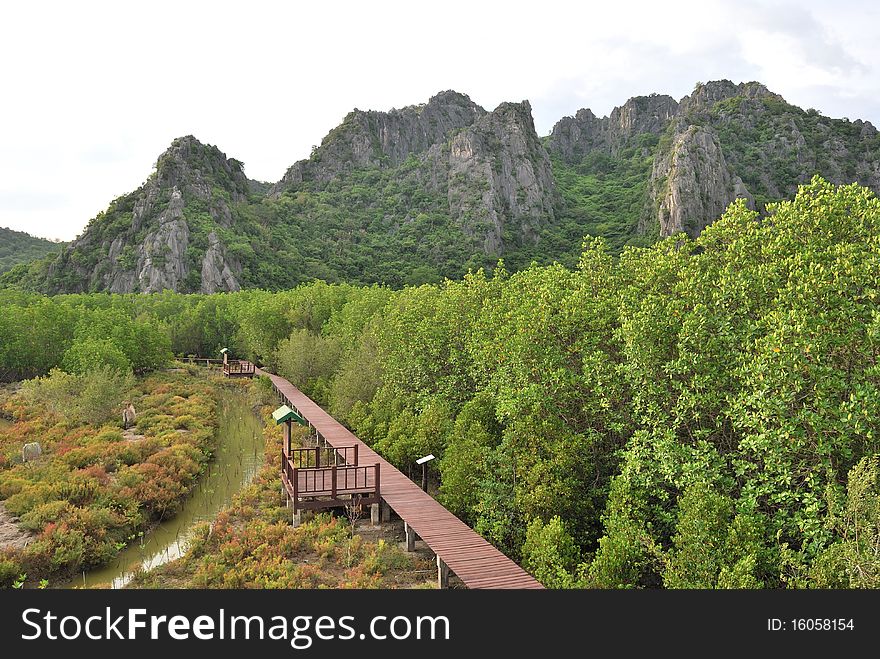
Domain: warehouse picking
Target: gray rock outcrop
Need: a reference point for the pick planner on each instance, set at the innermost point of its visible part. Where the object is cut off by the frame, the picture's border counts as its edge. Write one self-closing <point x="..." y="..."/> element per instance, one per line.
<point x="693" y="183"/>
<point x="574" y="137"/>
<point x="497" y="175"/>
<point x="382" y="139"/>
<point x="156" y="248"/>
<point x="218" y="271"/>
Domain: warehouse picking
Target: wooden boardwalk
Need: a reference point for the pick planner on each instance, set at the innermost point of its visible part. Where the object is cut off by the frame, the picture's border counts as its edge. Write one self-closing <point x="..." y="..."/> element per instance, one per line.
<point x="474" y="560"/>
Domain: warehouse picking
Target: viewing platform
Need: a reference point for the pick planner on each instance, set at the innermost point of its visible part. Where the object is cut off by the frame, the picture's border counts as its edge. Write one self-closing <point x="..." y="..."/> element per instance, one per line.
<point x="343" y="470"/>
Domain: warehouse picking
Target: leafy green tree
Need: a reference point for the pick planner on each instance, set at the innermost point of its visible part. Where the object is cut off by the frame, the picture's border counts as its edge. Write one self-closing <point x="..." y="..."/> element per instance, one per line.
<point x="94" y="396"/>
<point x="309" y="361"/>
<point x="710" y="548"/>
<point x="853" y="561"/>
<point x="89" y="353"/>
<point x="550" y="553"/>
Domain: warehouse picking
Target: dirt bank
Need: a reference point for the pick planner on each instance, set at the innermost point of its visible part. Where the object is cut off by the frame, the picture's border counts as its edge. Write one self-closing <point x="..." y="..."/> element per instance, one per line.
<point x="10" y="533"/>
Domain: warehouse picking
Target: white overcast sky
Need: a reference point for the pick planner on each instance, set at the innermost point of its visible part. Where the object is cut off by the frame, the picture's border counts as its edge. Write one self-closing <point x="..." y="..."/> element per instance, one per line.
<point x="93" y="92"/>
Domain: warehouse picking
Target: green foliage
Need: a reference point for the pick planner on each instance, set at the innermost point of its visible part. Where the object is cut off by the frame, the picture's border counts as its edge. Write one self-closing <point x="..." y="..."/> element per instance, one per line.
<point x="94" y="395"/>
<point x="78" y="332"/>
<point x="702" y="554"/>
<point x="688" y="411"/>
<point x="17" y="247"/>
<point x="775" y="147"/>
<point x="550" y="553"/>
<point x="86" y="354"/>
<point x="308" y="359"/>
<point x="604" y="195"/>
<point x="853" y="561"/>
<point x="92" y="489"/>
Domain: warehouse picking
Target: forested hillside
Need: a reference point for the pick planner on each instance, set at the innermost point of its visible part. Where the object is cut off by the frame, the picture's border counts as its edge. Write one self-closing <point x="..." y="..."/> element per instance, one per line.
<point x="425" y="192"/>
<point x="697" y="413"/>
<point x="18" y="247"/>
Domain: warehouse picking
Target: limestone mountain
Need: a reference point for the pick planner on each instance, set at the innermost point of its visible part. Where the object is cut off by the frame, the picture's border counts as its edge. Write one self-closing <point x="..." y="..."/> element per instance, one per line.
<point x="677" y="166"/>
<point x="485" y="175"/>
<point x="768" y="147"/>
<point x="405" y="196"/>
<point x="173" y="232"/>
<point x="382" y="139"/>
<point x="18" y="248"/>
<point x="428" y="191"/>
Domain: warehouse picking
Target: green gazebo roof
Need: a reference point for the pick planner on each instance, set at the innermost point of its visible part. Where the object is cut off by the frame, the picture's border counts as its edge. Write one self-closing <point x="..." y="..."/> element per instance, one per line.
<point x="284" y="413"/>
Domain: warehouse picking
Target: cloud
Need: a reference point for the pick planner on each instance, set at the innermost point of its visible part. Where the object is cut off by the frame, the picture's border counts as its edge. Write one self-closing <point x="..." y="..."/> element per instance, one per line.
<point x="809" y="42"/>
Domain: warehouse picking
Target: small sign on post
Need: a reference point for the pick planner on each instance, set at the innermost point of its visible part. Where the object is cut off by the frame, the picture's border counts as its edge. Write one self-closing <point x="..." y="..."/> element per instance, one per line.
<point x="424" y="462"/>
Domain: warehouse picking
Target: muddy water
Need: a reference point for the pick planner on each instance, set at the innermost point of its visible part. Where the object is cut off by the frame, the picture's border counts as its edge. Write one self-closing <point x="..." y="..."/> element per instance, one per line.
<point x="238" y="458"/>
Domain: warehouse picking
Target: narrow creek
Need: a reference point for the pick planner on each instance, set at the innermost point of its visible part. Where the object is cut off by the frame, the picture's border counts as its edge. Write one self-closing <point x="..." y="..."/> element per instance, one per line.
<point x="238" y="457"/>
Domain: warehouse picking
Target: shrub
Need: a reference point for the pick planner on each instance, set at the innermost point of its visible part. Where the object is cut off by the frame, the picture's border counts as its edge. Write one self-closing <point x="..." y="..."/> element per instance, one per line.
<point x="94" y="396"/>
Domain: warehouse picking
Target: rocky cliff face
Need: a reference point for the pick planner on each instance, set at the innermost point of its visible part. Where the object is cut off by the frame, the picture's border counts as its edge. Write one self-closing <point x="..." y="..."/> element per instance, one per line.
<point x="693" y="184"/>
<point x="721" y="142"/>
<point x="382" y="139"/>
<point x="574" y="137"/>
<point x="497" y="177"/>
<point x="706" y="96"/>
<point x="145" y="242"/>
<point x="489" y="169"/>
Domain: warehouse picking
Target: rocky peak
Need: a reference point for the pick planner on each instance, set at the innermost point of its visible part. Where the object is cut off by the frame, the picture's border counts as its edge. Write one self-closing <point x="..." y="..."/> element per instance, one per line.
<point x="497" y="175"/>
<point x="867" y="130"/>
<point x="574" y="137"/>
<point x="161" y="236"/>
<point x="641" y="114"/>
<point x="189" y="164"/>
<point x="705" y="95"/>
<point x="370" y="138"/>
<point x="693" y="183"/>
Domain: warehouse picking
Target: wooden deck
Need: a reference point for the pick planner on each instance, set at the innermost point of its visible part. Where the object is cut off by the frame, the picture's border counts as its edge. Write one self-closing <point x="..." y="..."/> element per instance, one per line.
<point x="474" y="560"/>
<point x="239" y="368"/>
<point x="315" y="483"/>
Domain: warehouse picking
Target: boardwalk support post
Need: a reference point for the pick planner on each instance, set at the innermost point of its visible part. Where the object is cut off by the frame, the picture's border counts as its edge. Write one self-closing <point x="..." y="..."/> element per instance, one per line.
<point x="375" y="518"/>
<point x="410" y="537"/>
<point x="442" y="574"/>
<point x="297" y="514"/>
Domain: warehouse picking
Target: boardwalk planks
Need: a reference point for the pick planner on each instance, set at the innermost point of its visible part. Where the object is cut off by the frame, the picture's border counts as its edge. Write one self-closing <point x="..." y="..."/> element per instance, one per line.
<point x="476" y="562"/>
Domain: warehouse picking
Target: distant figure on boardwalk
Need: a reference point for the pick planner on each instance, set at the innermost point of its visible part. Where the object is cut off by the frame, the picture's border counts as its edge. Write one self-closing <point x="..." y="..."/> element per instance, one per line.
<point x="128" y="415"/>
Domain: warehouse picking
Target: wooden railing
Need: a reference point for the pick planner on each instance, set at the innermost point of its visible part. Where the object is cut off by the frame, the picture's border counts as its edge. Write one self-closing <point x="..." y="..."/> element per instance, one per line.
<point x="335" y="480"/>
<point x="238" y="367"/>
<point x="305" y="484"/>
<point x="323" y="456"/>
<point x="201" y="360"/>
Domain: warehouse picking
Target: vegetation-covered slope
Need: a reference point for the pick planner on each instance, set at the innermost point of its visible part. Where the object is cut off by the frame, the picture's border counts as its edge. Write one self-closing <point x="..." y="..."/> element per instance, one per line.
<point x="18" y="247"/>
<point x="722" y="142"/>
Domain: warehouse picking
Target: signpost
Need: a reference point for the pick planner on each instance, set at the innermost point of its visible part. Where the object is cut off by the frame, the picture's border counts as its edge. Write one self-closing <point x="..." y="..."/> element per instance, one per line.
<point x="424" y="462"/>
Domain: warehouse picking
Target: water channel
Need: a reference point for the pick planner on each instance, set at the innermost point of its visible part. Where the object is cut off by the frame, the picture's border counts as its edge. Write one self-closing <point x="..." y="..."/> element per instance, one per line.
<point x="238" y="458"/>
